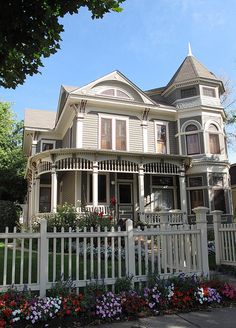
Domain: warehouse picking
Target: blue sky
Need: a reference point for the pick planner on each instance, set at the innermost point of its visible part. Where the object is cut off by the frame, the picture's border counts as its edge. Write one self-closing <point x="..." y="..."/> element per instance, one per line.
<point x="147" y="42"/>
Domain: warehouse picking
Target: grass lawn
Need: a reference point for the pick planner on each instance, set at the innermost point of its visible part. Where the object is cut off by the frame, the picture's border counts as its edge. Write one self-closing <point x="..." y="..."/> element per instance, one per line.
<point x="84" y="267"/>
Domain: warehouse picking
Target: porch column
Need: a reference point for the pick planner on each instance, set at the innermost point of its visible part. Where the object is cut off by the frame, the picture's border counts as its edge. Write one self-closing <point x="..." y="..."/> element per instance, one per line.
<point x="36" y="194"/>
<point x="53" y="189"/>
<point x="77" y="188"/>
<point x="33" y="147"/>
<point x="32" y="196"/>
<point x="145" y="136"/>
<point x="141" y="192"/>
<point x="95" y="184"/>
<point x="183" y="194"/>
<point x="30" y="200"/>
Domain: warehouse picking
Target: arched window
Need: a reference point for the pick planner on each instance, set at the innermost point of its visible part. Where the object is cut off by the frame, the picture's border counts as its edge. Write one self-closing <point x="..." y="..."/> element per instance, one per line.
<point x="114" y="92"/>
<point x="192" y="140"/>
<point x="214" y="142"/>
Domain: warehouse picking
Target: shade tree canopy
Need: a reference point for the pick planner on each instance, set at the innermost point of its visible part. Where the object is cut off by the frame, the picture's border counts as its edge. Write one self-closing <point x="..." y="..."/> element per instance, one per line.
<point x="30" y="31"/>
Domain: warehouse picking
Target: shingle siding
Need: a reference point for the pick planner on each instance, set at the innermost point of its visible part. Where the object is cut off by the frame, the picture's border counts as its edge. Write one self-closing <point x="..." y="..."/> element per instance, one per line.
<point x="172" y="138"/>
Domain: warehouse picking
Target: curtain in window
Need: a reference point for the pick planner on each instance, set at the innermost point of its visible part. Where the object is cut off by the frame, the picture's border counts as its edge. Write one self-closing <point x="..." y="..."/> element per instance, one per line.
<point x="214" y="143"/>
<point x="161" y="139"/>
<point x="192" y="144"/>
<point x="163" y="199"/>
<point x="120" y="135"/>
<point x="106" y="133"/>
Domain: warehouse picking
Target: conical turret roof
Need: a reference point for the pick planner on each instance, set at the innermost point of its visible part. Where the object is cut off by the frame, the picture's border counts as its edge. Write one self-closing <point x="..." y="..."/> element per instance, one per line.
<point x="191" y="69"/>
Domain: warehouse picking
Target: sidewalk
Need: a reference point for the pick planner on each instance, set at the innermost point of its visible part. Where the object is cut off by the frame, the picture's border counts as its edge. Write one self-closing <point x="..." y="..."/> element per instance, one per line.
<point x="214" y="318"/>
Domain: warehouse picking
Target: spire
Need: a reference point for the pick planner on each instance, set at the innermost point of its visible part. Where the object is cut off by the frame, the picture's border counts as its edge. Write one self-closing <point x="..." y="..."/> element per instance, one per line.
<point x="189" y="49"/>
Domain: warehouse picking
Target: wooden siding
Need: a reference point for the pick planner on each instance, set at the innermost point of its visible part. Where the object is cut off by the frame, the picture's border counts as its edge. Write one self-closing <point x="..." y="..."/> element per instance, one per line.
<point x="135" y="135"/>
<point x="90" y="131"/>
<point x="68" y="188"/>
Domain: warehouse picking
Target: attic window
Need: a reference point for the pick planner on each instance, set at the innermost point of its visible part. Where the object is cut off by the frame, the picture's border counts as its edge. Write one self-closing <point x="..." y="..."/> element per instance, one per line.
<point x="209" y="92"/>
<point x="116" y="93"/>
<point x="187" y="93"/>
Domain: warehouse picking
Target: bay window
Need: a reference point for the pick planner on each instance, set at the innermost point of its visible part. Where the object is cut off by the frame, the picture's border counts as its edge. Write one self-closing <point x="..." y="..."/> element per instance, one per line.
<point x="196" y="192"/>
<point x="214" y="142"/>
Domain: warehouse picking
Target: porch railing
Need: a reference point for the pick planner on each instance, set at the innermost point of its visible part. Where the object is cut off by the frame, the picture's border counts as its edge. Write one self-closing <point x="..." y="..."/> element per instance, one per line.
<point x="105" y="209"/>
<point x="156" y="218"/>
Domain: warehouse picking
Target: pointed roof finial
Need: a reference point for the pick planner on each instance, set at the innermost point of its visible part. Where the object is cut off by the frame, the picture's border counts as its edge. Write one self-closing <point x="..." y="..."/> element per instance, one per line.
<point x="189" y="49"/>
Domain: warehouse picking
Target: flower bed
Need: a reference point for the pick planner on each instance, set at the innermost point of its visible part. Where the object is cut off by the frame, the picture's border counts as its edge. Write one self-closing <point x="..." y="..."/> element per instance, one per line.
<point x="21" y="309"/>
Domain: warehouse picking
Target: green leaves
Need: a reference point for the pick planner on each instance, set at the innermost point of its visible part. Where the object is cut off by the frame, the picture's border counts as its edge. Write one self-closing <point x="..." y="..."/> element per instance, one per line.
<point x="30" y="31"/>
<point x="12" y="160"/>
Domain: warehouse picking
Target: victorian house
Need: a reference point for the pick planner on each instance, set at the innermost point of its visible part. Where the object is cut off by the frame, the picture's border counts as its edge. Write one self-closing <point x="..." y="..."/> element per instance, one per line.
<point x="155" y="150"/>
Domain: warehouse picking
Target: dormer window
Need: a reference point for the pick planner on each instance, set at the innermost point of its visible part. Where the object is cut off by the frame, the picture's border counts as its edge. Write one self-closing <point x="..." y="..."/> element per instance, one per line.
<point x="187" y="93"/>
<point x="209" y="92"/>
<point x="114" y="92"/>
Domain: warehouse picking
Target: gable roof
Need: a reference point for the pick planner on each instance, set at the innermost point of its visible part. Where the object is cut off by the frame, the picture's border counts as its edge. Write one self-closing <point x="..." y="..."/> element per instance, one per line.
<point x="191" y="69"/>
<point x="39" y="119"/>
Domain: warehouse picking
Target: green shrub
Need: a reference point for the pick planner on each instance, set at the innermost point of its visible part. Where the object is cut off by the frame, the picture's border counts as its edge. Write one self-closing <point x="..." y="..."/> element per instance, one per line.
<point x="123" y="284"/>
<point x="94" y="220"/>
<point x="9" y="215"/>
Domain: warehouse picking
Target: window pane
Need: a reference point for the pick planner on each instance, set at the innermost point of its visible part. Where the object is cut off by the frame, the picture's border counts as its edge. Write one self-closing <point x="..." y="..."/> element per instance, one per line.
<point x="192" y="144"/>
<point x="120" y="135"/>
<point x="219" y="200"/>
<point x="214" y="143"/>
<point x="161" y="138"/>
<point x="108" y="92"/>
<point x="106" y="133"/>
<point x="47" y="146"/>
<point x="163" y="199"/>
<point x="190" y="92"/>
<point x="121" y="94"/>
<point x="209" y="92"/>
<point x="162" y="181"/>
<point x="196" y="198"/>
<point x="191" y="127"/>
<point x="195" y="182"/>
<point x="125" y="194"/>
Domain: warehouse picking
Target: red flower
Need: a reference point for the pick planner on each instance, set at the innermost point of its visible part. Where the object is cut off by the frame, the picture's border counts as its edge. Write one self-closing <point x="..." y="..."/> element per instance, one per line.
<point x="68" y="312"/>
<point x="2" y="323"/>
<point x="110" y="217"/>
<point x="100" y="215"/>
<point x="113" y="201"/>
<point x="7" y="312"/>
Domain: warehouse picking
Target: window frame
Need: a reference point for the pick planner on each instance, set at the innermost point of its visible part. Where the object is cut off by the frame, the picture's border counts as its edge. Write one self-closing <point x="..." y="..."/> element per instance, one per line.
<point x="49" y="141"/>
<point x="166" y="124"/>
<point x="129" y="97"/>
<point x="113" y="119"/>
<point x="192" y="133"/>
<point x="206" y="88"/>
<point x="215" y="133"/>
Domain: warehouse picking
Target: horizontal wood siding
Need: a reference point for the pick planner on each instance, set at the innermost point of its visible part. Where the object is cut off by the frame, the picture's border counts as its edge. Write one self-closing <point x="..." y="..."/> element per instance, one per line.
<point x="90" y="131"/>
<point x="135" y="135"/>
<point x="151" y="137"/>
<point x="172" y="139"/>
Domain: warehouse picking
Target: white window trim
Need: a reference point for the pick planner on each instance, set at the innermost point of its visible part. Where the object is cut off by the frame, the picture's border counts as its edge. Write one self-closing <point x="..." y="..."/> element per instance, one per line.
<point x="107" y="188"/>
<point x="166" y="124"/>
<point x="53" y="142"/>
<point x="113" y="142"/>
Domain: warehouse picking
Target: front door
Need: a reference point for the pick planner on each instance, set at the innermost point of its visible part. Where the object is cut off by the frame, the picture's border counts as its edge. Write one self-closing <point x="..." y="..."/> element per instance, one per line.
<point x="125" y="200"/>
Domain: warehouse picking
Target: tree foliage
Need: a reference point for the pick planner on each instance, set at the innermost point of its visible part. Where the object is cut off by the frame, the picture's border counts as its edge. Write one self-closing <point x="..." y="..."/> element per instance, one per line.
<point x="30" y="30"/>
<point x="12" y="160"/>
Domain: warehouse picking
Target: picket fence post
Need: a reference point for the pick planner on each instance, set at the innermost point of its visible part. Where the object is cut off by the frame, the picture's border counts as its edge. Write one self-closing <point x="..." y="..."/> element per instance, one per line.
<point x="130" y="244"/>
<point x="201" y="222"/>
<point x="217" y="222"/>
<point x="43" y="272"/>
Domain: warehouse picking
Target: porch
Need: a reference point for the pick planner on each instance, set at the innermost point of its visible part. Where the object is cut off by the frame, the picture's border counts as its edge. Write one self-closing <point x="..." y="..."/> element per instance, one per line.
<point x="141" y="187"/>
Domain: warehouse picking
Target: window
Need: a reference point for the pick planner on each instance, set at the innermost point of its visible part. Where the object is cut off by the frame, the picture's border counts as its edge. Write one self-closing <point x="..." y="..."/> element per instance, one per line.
<point x="113" y="92"/>
<point x="209" y="92"/>
<point x="163" y="190"/>
<point x="47" y="145"/>
<point x="219" y="200"/>
<point x="106" y="133"/>
<point x="187" y="93"/>
<point x="214" y="143"/>
<point x="192" y="140"/>
<point x="161" y="132"/>
<point x="113" y="133"/>
<point x="102" y="188"/>
<point x="196" y="195"/>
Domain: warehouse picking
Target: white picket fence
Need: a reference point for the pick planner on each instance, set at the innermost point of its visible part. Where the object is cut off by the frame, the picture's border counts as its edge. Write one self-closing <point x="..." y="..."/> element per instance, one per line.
<point x="225" y="240"/>
<point x="39" y="259"/>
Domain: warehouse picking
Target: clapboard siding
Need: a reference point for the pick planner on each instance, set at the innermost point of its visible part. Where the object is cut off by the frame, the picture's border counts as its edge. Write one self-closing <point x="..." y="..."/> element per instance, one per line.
<point x="90" y="131"/>
<point x="151" y="137"/>
<point x="135" y="135"/>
